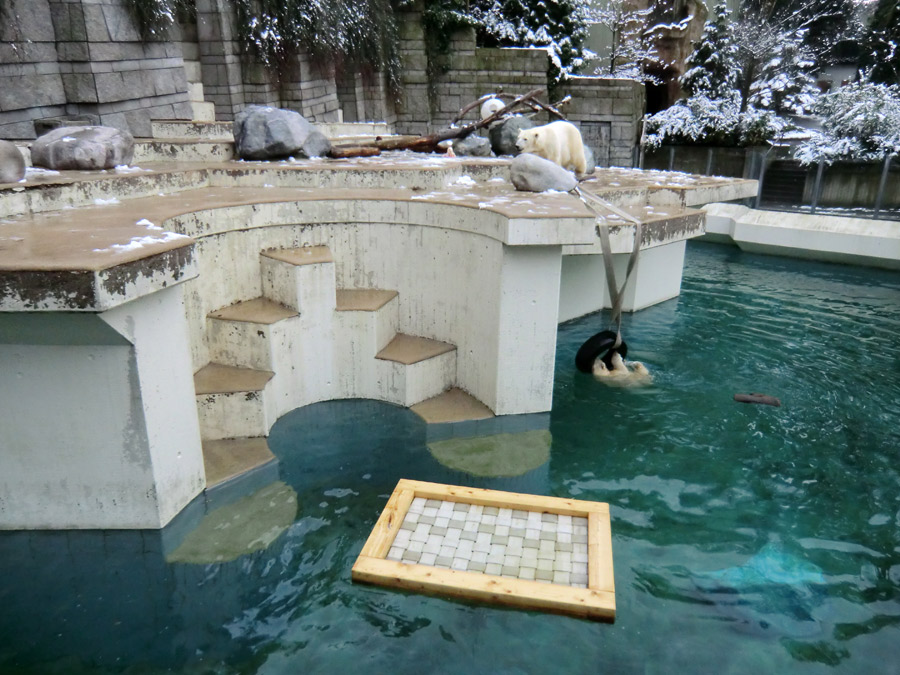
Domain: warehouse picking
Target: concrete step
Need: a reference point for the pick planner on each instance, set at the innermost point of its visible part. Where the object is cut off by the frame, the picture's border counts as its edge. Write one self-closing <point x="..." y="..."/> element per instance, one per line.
<point x="192" y="71"/>
<point x="365" y="321"/>
<point x="196" y="129"/>
<point x="204" y="111"/>
<point x="254" y="334"/>
<point x="227" y="459"/>
<point x="453" y="405"/>
<point x="302" y="278"/>
<point x="411" y="369"/>
<point x="232" y="402"/>
<point x="195" y="92"/>
<point x="344" y="131"/>
<point x="181" y="150"/>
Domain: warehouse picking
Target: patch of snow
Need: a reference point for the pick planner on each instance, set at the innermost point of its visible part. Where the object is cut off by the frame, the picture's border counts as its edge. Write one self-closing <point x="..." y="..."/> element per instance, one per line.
<point x="124" y="168"/>
<point x="140" y="242"/>
<point x="105" y="202"/>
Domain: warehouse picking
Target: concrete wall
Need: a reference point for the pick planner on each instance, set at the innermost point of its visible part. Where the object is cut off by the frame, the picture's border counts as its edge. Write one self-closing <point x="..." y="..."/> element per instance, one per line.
<point x="114" y="442"/>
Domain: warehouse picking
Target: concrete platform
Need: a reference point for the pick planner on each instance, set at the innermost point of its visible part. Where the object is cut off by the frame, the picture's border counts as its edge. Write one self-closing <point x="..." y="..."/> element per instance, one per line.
<point x="228" y="458"/>
<point x="410" y="349"/>
<point x="454" y="405"/>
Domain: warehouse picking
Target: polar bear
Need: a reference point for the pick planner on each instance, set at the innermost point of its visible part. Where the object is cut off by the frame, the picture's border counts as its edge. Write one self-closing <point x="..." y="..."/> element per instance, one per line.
<point x="559" y="142"/>
<point x="634" y="374"/>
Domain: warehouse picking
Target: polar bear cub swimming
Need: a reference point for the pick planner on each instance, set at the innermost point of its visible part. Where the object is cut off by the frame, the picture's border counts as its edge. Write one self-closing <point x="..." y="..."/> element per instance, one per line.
<point x="559" y="142"/>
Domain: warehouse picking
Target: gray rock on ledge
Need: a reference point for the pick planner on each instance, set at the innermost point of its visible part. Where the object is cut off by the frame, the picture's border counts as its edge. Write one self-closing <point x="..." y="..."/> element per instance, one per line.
<point x="504" y="134"/>
<point x="472" y="146"/>
<point x="12" y="164"/>
<point x="261" y="132"/>
<point x="82" y="149"/>
<point x="531" y="173"/>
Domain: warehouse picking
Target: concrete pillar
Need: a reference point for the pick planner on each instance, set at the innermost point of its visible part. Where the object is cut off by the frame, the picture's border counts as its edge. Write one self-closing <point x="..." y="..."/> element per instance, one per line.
<point x="655" y="279"/>
<point x="99" y="427"/>
<point x="526" y="341"/>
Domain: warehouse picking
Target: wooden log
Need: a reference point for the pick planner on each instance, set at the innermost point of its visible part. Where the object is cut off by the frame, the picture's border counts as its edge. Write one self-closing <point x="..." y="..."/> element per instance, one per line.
<point x="347" y="151"/>
<point x="762" y="399"/>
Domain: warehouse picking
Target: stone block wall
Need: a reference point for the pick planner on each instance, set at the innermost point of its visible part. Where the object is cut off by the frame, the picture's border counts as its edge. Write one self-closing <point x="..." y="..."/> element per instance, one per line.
<point x="31" y="84"/>
<point x="608" y="113"/>
<point x="233" y="81"/>
<point x="87" y="59"/>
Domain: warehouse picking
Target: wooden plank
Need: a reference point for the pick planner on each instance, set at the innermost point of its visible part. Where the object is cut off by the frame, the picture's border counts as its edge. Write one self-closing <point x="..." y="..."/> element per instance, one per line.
<point x="382" y="536"/>
<point x="512" y="500"/>
<point x="600" y="561"/>
<point x="594" y="604"/>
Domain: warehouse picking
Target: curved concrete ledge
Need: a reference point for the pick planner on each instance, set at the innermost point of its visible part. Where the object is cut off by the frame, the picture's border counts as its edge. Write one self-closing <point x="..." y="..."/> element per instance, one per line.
<point x="855" y="241"/>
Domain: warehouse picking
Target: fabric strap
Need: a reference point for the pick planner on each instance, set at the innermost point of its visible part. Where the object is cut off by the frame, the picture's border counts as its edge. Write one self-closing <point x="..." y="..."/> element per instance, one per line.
<point x="616" y="294"/>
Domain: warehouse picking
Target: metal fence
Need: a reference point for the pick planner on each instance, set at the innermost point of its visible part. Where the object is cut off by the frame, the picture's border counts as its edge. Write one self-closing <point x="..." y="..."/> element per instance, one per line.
<point x="849" y="188"/>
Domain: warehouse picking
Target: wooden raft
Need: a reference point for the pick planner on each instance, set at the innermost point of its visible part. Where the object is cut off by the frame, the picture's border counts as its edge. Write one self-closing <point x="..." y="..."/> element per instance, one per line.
<point x="595" y="601"/>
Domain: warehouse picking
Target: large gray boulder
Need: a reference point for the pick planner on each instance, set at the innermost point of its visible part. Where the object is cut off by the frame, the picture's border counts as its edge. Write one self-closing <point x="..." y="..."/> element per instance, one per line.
<point x="531" y="173"/>
<point x="472" y="146"/>
<point x="82" y="148"/>
<point x="261" y="132"/>
<point x="12" y="164"/>
<point x="504" y="134"/>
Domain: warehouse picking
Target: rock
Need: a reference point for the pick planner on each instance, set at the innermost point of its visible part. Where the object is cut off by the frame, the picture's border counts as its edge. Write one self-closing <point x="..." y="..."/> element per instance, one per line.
<point x="261" y="132"/>
<point x="12" y="164"/>
<point x="589" y="160"/>
<point x="474" y="146"/>
<point x="82" y="148"/>
<point x="504" y="134"/>
<point x="535" y="174"/>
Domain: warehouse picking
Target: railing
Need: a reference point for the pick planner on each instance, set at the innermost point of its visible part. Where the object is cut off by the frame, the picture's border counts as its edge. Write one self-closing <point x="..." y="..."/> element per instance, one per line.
<point x="860" y="189"/>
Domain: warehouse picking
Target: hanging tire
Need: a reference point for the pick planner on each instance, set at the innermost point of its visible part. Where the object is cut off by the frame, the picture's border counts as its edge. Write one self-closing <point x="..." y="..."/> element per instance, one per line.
<point x="600" y="345"/>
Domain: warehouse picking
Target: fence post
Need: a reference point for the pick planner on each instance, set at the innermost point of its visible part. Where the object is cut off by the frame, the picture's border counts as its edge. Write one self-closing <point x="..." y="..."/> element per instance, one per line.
<point x="671" y="157"/>
<point x="817" y="188"/>
<point x="709" y="162"/>
<point x="882" y="184"/>
<point x="762" y="175"/>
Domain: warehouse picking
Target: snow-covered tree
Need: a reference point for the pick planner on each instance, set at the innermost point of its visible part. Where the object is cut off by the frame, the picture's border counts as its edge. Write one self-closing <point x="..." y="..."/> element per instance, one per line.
<point x="632" y="45"/>
<point x="559" y="25"/>
<point x="702" y="120"/>
<point x="712" y="68"/>
<point x="785" y="84"/>
<point x="859" y="121"/>
<point x="881" y="54"/>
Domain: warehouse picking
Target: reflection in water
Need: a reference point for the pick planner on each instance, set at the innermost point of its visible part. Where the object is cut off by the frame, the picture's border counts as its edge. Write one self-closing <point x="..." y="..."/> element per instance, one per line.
<point x="746" y="539"/>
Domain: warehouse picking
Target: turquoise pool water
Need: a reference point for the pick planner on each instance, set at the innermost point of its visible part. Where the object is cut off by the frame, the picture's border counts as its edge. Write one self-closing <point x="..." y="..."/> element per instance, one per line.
<point x="747" y="539"/>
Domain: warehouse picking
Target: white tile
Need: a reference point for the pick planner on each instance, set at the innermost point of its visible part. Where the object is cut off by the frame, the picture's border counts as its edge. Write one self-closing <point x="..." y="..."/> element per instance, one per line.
<point x="447" y="551"/>
<point x="429" y="511"/>
<point x="427" y="558"/>
<point x="417" y="505"/>
<point x="442" y="521"/>
<point x="489" y="520"/>
<point x="465" y="548"/>
<point x="459" y="564"/>
<point x="445" y="509"/>
<point x="501" y="530"/>
<point x="479" y="556"/>
<point x="493" y="569"/>
<point x="395" y="553"/>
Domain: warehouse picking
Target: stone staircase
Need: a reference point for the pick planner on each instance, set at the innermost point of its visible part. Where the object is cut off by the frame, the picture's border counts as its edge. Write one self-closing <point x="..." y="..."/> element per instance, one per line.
<point x="305" y="340"/>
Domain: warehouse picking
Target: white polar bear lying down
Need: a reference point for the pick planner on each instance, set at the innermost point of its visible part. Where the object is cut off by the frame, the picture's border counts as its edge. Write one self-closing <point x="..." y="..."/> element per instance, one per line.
<point x="634" y="374"/>
<point x="559" y="142"/>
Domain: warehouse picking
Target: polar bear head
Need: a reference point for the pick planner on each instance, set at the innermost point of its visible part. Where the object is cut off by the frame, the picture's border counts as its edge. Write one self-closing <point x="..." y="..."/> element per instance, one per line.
<point x="529" y="140"/>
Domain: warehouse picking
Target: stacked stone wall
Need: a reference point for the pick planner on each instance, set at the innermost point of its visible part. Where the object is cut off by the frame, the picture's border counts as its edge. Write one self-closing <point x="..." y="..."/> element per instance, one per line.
<point x="69" y="57"/>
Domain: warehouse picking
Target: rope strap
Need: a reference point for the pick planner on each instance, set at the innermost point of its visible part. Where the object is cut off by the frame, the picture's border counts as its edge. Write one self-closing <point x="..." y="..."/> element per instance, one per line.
<point x="616" y="294"/>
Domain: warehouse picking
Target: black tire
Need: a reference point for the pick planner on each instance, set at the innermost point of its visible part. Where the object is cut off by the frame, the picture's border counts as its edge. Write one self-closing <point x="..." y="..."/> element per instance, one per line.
<point x="600" y="344"/>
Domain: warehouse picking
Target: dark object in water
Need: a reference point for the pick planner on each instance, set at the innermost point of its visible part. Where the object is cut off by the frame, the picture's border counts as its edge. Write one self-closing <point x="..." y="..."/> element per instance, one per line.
<point x="757" y="398"/>
<point x="600" y="344"/>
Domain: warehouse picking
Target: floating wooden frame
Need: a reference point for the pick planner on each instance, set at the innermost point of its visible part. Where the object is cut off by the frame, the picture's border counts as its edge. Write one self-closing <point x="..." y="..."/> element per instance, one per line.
<point x="595" y="601"/>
